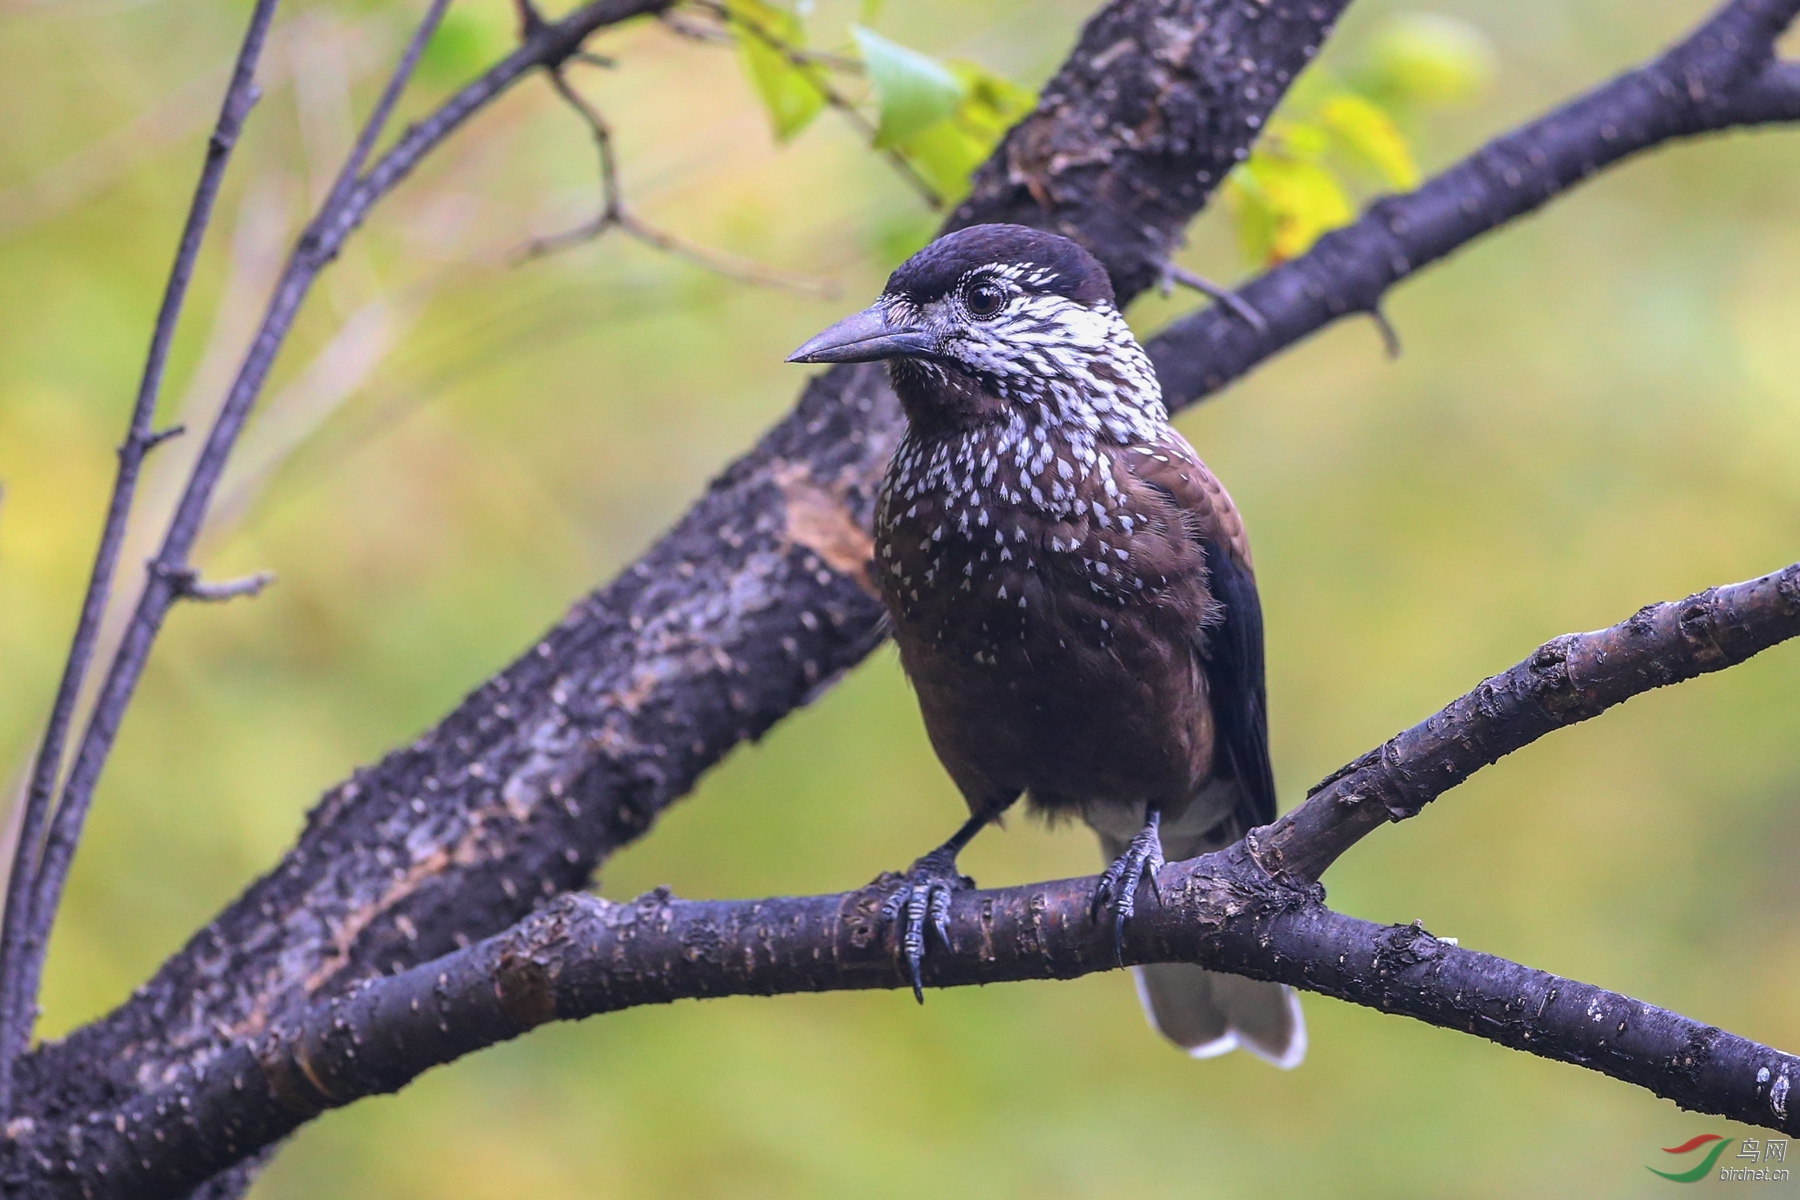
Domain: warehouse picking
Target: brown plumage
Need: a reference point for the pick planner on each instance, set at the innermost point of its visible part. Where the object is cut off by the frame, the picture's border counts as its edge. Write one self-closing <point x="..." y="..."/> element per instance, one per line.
<point x="1070" y="590"/>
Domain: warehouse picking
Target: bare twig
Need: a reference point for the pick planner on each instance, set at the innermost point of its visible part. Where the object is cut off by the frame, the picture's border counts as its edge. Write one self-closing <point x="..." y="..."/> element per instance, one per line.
<point x="1390" y="337"/>
<point x="158" y="437"/>
<point x="20" y="946"/>
<point x="615" y="213"/>
<point x="34" y="892"/>
<point x="189" y="586"/>
<point x="162" y="586"/>
<point x="1174" y="273"/>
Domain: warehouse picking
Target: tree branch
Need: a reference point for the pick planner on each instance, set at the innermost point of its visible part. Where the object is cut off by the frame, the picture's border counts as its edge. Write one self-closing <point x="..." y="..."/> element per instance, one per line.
<point x="615" y="213"/>
<point x="755" y="600"/>
<point x="1570" y="679"/>
<point x="1720" y="77"/>
<point x="745" y="610"/>
<point x="20" y="948"/>
<point x="582" y="956"/>
<point x="1254" y="909"/>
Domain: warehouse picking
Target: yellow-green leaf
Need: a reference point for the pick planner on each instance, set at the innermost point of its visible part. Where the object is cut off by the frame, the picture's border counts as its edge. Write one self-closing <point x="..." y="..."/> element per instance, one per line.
<point x="793" y="93"/>
<point x="1371" y="136"/>
<point x="914" y="90"/>
<point x="1283" y="205"/>
<point x="1293" y="138"/>
<point x="945" y="154"/>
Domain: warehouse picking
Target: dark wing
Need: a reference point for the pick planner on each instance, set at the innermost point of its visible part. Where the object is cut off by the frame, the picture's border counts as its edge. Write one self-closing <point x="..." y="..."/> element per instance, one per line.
<point x="1231" y="644"/>
<point x="1233" y="660"/>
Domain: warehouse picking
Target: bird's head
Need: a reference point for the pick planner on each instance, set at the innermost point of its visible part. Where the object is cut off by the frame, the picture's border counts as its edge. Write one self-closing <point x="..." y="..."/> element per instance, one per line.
<point x="998" y="321"/>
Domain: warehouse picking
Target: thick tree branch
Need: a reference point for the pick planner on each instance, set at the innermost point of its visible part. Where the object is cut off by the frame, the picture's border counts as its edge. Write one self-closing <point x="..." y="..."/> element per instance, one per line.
<point x="746" y="609"/>
<point x="1251" y="909"/>
<point x="1172" y="107"/>
<point x="749" y="606"/>
<point x="1721" y="77"/>
<point x="583" y="956"/>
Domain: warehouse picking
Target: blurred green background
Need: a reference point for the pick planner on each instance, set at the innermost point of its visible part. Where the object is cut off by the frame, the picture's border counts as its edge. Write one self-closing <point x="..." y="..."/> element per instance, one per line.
<point x="1597" y="408"/>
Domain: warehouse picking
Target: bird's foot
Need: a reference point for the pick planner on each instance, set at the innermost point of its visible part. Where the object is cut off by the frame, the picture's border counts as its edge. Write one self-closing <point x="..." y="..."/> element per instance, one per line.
<point x="1119" y="883"/>
<point x="922" y="894"/>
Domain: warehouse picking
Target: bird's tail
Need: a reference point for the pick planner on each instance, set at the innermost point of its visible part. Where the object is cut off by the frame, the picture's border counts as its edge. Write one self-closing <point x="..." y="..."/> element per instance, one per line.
<point x="1207" y="1013"/>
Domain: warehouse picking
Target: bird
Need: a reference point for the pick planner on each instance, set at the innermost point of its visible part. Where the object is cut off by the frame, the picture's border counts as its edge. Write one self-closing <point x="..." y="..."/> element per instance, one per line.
<point x="1071" y="593"/>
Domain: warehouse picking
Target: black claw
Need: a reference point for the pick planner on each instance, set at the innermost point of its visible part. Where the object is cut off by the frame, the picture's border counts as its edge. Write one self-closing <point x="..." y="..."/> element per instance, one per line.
<point x="1119" y="882"/>
<point x="923" y="895"/>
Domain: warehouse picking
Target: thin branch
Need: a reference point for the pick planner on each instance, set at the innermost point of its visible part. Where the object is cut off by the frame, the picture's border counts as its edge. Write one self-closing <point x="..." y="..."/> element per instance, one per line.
<point x="159" y="436"/>
<point x="747" y="609"/>
<point x="163" y="585"/>
<point x="189" y="586"/>
<point x="615" y="213"/>
<point x="34" y="895"/>
<point x="1720" y="77"/>
<point x="18" y="993"/>
<point x="384" y="106"/>
<point x="1174" y="273"/>
<point x="1390" y="337"/>
<point x="1570" y="679"/>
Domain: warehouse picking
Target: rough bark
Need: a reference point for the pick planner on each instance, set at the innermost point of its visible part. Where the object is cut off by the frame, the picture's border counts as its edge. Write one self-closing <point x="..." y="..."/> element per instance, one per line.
<point x="1254" y="908"/>
<point x="751" y="604"/>
<point x="582" y="956"/>
<point x="756" y="599"/>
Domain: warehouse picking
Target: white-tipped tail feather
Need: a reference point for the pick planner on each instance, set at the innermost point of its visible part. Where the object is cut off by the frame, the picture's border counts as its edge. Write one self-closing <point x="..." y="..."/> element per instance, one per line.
<point x="1204" y="1012"/>
<point x="1208" y="1014"/>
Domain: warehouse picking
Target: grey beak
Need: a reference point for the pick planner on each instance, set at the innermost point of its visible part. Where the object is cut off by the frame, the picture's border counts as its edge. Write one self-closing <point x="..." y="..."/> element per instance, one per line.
<point x="865" y="337"/>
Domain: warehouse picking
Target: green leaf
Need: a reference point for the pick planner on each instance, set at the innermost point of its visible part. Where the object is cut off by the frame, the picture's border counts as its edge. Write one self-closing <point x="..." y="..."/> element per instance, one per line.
<point x="914" y="90"/>
<point x="1425" y="59"/>
<point x="793" y="93"/>
<point x="945" y="155"/>
<point x="946" y="152"/>
<point x="1371" y="136"/>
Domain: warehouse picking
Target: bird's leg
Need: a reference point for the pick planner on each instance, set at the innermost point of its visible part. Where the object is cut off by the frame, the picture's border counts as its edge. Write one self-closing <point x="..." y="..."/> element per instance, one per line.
<point x="1119" y="882"/>
<point x="925" y="891"/>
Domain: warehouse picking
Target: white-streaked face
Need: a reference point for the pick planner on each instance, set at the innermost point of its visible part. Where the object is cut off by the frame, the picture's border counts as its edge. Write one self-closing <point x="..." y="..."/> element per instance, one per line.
<point x="1033" y="345"/>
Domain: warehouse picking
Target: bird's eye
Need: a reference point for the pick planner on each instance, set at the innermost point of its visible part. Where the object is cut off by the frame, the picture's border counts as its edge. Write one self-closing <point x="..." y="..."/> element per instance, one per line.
<point x="984" y="299"/>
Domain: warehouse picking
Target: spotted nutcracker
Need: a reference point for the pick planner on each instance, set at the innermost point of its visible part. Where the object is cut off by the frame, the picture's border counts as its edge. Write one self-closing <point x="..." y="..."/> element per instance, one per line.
<point x="1070" y="591"/>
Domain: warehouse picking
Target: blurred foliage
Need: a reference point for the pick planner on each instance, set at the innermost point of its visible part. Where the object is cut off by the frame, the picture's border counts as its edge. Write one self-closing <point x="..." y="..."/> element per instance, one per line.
<point x="792" y="91"/>
<point x="1335" y="139"/>
<point x="1598" y="408"/>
